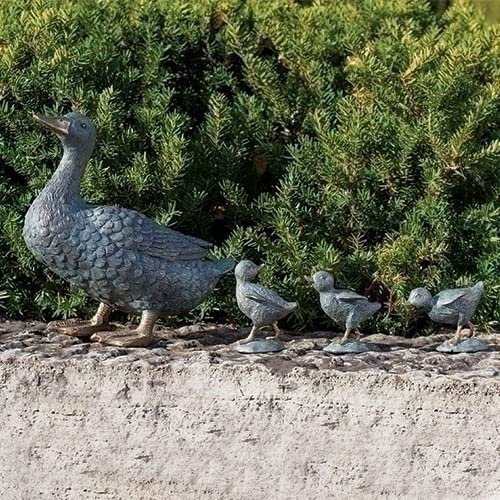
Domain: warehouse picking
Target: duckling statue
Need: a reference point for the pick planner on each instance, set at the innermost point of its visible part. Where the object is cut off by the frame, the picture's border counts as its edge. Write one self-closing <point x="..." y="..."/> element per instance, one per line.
<point x="261" y="305"/>
<point x="452" y="307"/>
<point x="344" y="307"/>
<point x="118" y="256"/>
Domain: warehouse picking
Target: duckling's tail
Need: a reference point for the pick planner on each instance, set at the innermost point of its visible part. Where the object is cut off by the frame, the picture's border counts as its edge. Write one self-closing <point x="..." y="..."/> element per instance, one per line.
<point x="292" y="306"/>
<point x="475" y="294"/>
<point x="479" y="287"/>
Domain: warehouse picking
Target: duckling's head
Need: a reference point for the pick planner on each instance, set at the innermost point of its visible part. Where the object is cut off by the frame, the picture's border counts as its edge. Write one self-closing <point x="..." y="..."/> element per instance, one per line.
<point x="323" y="281"/>
<point x="73" y="129"/>
<point x="246" y="270"/>
<point x="421" y="298"/>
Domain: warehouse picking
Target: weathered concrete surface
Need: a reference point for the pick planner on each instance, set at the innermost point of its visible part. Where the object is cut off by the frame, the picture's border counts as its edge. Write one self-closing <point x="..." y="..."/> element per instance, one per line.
<point x="193" y="419"/>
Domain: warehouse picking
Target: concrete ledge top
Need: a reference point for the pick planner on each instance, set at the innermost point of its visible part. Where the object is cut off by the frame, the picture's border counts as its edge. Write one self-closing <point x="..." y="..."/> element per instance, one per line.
<point x="413" y="360"/>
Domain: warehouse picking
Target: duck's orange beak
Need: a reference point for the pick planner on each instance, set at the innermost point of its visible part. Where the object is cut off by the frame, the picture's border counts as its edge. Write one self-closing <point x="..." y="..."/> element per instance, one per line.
<point x="59" y="125"/>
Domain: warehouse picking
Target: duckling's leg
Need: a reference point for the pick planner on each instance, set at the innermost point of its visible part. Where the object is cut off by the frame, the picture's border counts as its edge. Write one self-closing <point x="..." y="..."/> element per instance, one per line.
<point x="277" y="330"/>
<point x="472" y="330"/>
<point x="460" y="325"/>
<point x="349" y="326"/>
<point x="457" y="337"/>
<point x="84" y="328"/>
<point x="142" y="336"/>
<point x="251" y="336"/>
<point x="345" y="338"/>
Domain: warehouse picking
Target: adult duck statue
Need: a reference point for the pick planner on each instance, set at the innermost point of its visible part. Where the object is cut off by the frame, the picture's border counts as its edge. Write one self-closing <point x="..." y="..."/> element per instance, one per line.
<point x="118" y="256"/>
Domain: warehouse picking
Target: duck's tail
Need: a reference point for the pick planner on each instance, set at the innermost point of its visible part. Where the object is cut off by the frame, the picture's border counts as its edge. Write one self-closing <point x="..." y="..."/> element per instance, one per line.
<point x="374" y="307"/>
<point x="225" y="265"/>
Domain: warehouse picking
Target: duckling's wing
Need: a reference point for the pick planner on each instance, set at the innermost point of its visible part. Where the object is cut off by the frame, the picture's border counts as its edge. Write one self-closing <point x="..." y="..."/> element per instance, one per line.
<point x="138" y="233"/>
<point x="264" y="296"/>
<point x="448" y="298"/>
<point x="349" y="296"/>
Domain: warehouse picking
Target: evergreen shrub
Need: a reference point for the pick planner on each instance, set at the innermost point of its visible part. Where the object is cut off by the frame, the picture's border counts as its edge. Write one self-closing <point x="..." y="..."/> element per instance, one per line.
<point x="357" y="136"/>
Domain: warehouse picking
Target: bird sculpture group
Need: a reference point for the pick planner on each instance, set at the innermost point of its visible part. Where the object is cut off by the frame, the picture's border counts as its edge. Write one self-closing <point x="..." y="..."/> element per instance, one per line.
<point x="128" y="262"/>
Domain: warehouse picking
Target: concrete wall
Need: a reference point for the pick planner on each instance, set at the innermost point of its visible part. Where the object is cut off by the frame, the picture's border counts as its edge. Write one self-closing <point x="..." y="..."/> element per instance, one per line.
<point x="208" y="426"/>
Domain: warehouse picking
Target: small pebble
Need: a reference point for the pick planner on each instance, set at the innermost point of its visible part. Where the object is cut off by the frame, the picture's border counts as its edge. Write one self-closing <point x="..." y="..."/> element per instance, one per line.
<point x="76" y="349"/>
<point x="160" y="351"/>
<point x="15" y="344"/>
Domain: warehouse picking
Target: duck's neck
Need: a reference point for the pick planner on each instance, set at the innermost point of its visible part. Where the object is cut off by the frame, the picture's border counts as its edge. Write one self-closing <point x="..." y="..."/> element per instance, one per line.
<point x="64" y="185"/>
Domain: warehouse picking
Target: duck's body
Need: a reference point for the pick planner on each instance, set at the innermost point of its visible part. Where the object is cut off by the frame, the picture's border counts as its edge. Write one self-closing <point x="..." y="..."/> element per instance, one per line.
<point x="260" y="304"/>
<point x="451" y="307"/>
<point x="118" y="256"/>
<point x="121" y="258"/>
<point x="344" y="307"/>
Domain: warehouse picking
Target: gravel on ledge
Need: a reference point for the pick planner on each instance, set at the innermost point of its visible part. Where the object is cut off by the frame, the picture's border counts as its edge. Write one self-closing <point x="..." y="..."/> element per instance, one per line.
<point x="211" y="343"/>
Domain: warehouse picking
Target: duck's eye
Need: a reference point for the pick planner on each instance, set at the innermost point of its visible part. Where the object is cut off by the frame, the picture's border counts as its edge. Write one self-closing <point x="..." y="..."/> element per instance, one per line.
<point x="83" y="125"/>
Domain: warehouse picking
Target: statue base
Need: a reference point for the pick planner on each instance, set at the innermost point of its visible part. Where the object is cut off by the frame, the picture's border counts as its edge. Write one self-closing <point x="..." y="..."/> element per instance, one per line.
<point x="466" y="345"/>
<point x="350" y="347"/>
<point x="259" y="346"/>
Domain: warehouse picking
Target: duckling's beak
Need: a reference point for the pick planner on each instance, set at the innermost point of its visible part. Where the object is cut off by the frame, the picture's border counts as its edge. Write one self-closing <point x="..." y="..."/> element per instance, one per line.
<point x="59" y="125"/>
<point x="308" y="279"/>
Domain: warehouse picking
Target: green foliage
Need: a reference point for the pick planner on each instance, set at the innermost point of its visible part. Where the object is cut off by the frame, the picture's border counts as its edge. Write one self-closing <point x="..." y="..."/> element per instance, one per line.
<point x="358" y="136"/>
<point x="491" y="9"/>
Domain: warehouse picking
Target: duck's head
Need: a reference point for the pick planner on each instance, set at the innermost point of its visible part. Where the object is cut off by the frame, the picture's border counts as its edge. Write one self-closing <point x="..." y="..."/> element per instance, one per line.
<point x="73" y="129"/>
<point x="322" y="281"/>
<point x="420" y="298"/>
<point x="246" y="270"/>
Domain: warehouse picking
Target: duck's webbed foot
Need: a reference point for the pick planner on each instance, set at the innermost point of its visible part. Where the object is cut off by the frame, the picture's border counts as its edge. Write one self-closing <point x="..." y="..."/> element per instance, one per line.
<point x="84" y="328"/>
<point x="124" y="337"/>
<point x="251" y="336"/>
<point x="142" y="336"/>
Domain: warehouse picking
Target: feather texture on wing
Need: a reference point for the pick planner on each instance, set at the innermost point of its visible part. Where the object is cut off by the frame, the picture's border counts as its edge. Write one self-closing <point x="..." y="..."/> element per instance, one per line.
<point x="142" y="235"/>
<point x="349" y="296"/>
<point x="453" y="297"/>
<point x="265" y="296"/>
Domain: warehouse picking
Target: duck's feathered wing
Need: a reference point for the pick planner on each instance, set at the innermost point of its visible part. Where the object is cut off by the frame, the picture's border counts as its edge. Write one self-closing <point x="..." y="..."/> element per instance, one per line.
<point x="136" y="232"/>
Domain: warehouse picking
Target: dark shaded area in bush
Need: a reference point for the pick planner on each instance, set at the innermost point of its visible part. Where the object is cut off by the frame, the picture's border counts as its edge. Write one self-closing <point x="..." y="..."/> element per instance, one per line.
<point x="359" y="137"/>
